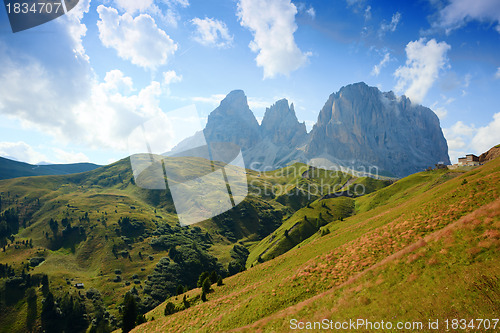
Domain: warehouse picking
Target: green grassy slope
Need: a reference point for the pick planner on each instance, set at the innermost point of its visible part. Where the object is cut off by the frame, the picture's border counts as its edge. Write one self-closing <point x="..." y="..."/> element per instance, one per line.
<point x="98" y="246"/>
<point x="401" y="247"/>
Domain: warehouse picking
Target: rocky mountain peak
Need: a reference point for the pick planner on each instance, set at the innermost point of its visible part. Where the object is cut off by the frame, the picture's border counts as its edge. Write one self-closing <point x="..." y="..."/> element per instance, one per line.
<point x="359" y="126"/>
<point x="281" y="126"/>
<point x="364" y="125"/>
<point x="233" y="121"/>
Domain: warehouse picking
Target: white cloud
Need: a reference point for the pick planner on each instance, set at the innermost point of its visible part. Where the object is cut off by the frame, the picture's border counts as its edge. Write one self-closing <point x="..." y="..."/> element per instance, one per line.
<point x="376" y="69"/>
<point x="466" y="139"/>
<point x="171" y="77"/>
<point x="487" y="136"/>
<point x="76" y="29"/>
<point x="213" y="99"/>
<point x="358" y="3"/>
<point x="390" y="27"/>
<point x="458" y="12"/>
<point x="110" y="114"/>
<point x="21" y="151"/>
<point x="72" y="106"/>
<point x="259" y="103"/>
<point x="69" y="157"/>
<point x="272" y="23"/>
<point x="458" y="137"/>
<point x="368" y="13"/>
<point x="441" y="111"/>
<point x="253" y="103"/>
<point x="497" y="74"/>
<point x="311" y="12"/>
<point x="423" y="63"/>
<point x="168" y="13"/>
<point x="132" y="6"/>
<point x="136" y="39"/>
<point x="212" y="32"/>
<point x="39" y="94"/>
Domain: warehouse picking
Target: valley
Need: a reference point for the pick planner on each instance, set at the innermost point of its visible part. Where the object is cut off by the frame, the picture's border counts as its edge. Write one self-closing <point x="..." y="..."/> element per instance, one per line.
<point x="287" y="251"/>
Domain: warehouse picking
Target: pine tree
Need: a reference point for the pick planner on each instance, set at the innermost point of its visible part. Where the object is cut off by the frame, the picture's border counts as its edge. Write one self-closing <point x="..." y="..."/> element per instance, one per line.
<point x="129" y="313"/>
<point x="32" y="310"/>
<point x="206" y="285"/>
<point x="213" y="277"/>
<point x="45" y="285"/>
<point x="49" y="314"/>
<point x="202" y="278"/>
<point x="185" y="302"/>
<point x="219" y="281"/>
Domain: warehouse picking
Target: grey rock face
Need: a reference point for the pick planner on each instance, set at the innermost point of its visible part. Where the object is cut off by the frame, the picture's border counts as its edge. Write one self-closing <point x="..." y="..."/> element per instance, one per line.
<point x="364" y="126"/>
<point x="358" y="126"/>
<point x="281" y="126"/>
<point x="232" y="121"/>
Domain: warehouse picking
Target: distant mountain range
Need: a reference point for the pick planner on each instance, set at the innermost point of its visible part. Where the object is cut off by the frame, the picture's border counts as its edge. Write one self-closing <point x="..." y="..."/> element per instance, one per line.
<point x="359" y="127"/>
<point x="13" y="169"/>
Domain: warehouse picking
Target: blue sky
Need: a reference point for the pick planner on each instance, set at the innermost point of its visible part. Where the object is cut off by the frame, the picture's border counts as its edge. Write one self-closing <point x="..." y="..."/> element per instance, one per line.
<point x="73" y="89"/>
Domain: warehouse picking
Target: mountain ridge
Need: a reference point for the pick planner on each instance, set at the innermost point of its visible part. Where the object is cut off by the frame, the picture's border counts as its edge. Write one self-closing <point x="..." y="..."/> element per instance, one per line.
<point x="14" y="169"/>
<point x="359" y="127"/>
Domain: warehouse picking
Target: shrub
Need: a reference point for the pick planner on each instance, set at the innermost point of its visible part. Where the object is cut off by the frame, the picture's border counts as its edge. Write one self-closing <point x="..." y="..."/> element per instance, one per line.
<point x="169" y="308"/>
<point x="202" y="278"/>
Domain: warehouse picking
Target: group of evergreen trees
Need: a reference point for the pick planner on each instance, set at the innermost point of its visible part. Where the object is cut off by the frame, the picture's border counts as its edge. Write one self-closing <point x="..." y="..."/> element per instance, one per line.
<point x="9" y="225"/>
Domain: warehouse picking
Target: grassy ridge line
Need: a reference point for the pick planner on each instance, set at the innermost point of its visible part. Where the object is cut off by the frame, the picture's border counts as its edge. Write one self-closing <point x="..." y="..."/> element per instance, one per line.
<point x="337" y="209"/>
<point x="359" y="242"/>
<point x="303" y="224"/>
<point x="110" y="189"/>
<point x="472" y="225"/>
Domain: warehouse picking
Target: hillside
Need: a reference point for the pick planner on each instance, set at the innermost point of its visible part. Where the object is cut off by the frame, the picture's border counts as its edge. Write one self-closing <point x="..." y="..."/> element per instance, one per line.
<point x="13" y="169"/>
<point x="99" y="229"/>
<point x="400" y="245"/>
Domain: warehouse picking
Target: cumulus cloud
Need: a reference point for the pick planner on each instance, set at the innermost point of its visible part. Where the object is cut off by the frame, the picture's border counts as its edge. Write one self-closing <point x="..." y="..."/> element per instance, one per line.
<point x="136" y="39"/>
<point x="376" y="69"/>
<point x="69" y="156"/>
<point x="458" y="12"/>
<point x="40" y="94"/>
<point x="171" y="77"/>
<point x="423" y="63"/>
<point x="465" y="139"/>
<point x="487" y="136"/>
<point x="391" y="26"/>
<point x="440" y="110"/>
<point x="211" y="32"/>
<point x="272" y="23"/>
<point x="76" y="29"/>
<point x="459" y="137"/>
<point x="81" y="110"/>
<point x="132" y="6"/>
<point x="168" y="13"/>
<point x="21" y="151"/>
